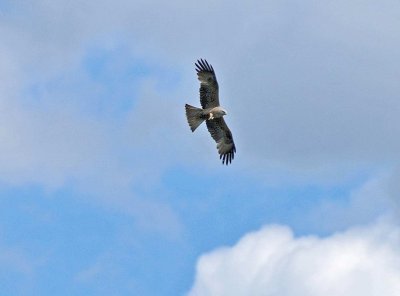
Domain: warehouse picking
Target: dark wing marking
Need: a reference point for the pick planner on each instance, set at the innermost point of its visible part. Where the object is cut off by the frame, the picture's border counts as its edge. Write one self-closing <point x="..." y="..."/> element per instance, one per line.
<point x="208" y="84"/>
<point x="223" y="136"/>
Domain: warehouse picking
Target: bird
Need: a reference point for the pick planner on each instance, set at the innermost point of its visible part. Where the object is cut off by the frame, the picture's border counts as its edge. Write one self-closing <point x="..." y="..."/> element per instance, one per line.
<point x="211" y="112"/>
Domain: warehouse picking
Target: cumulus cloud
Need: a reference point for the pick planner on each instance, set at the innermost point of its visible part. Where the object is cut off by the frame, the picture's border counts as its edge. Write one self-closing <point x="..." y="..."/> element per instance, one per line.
<point x="272" y="261"/>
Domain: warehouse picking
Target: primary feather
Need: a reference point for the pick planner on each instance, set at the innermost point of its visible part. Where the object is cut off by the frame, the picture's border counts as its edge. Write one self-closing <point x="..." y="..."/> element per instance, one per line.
<point x="208" y="85"/>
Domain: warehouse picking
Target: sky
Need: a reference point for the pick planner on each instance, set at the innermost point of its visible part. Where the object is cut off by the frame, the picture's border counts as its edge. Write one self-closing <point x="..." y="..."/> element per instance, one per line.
<point x="104" y="190"/>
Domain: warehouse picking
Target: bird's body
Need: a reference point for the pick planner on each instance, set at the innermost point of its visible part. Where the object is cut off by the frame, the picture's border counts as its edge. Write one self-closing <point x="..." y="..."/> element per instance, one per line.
<point x="216" y="112"/>
<point x="211" y="112"/>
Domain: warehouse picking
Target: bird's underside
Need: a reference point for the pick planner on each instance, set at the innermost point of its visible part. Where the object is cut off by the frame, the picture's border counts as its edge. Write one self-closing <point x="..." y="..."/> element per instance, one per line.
<point x="211" y="112"/>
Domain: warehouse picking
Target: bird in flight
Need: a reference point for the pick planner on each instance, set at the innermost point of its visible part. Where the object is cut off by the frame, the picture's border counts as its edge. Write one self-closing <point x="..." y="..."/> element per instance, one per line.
<point x="211" y="112"/>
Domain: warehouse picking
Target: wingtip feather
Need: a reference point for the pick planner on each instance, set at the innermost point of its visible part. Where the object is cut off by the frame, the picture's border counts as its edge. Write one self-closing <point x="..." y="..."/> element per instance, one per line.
<point x="228" y="157"/>
<point x="203" y="65"/>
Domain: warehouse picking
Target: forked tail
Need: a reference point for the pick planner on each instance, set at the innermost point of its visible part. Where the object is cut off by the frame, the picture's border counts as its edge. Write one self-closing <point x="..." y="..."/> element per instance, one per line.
<point x="194" y="116"/>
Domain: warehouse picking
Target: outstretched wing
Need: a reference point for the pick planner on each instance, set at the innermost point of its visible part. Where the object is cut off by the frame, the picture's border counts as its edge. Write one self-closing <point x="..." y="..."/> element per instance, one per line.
<point x="223" y="136"/>
<point x="208" y="84"/>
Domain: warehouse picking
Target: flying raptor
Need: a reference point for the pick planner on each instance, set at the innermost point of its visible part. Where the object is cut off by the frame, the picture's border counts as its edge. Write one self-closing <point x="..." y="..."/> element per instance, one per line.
<point x="211" y="112"/>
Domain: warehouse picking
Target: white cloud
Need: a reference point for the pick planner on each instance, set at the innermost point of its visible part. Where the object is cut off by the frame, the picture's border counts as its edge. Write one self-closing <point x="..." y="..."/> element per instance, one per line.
<point x="359" y="262"/>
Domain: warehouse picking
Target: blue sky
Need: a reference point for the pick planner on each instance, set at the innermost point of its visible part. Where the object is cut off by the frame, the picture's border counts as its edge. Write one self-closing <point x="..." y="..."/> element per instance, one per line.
<point x="104" y="189"/>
